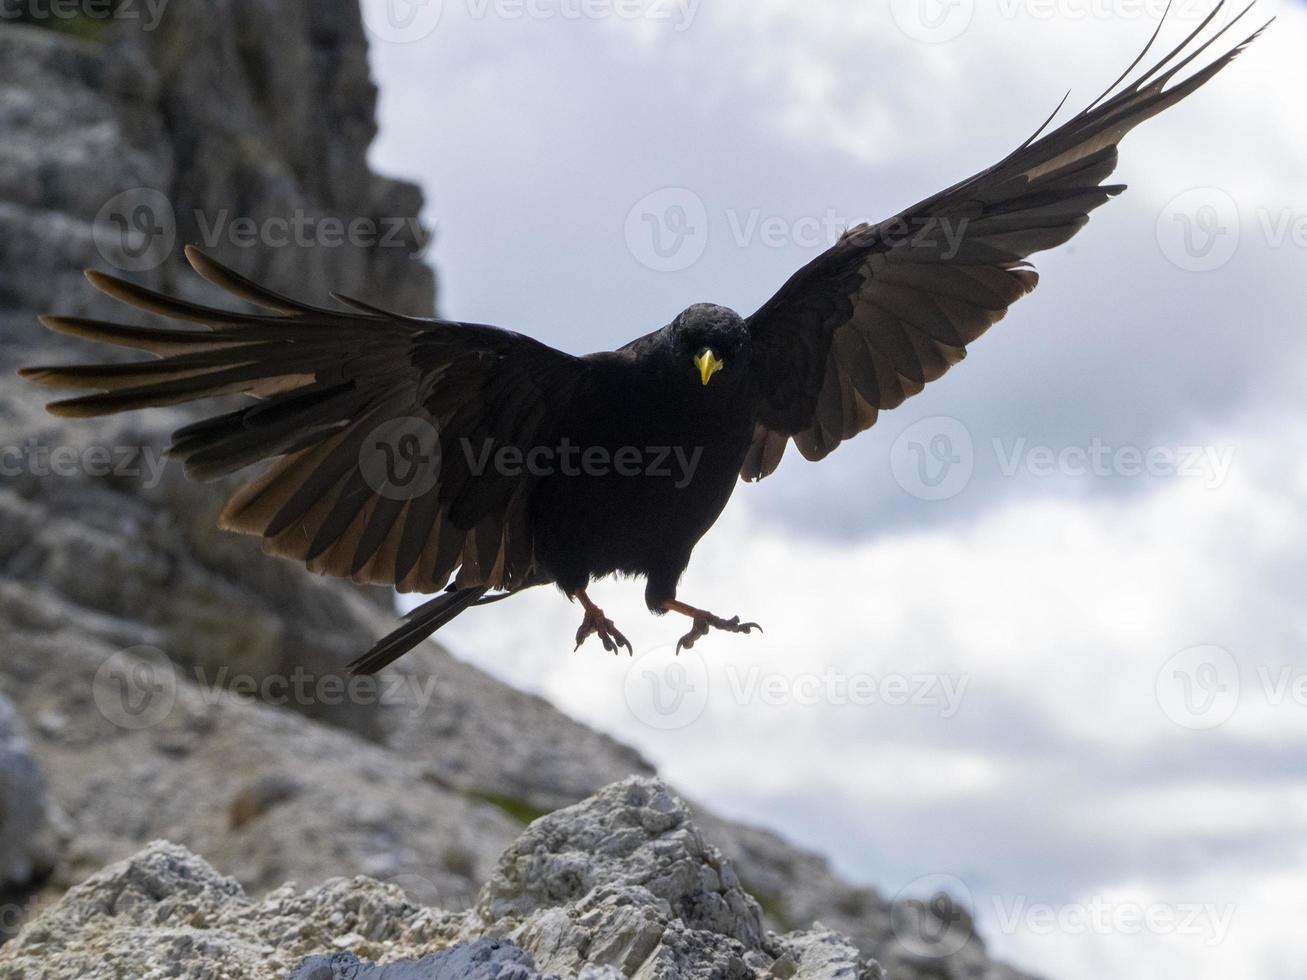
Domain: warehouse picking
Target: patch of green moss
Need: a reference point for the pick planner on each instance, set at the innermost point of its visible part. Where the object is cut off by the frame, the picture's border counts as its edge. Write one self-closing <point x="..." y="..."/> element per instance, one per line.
<point x="773" y="906"/>
<point x="519" y="810"/>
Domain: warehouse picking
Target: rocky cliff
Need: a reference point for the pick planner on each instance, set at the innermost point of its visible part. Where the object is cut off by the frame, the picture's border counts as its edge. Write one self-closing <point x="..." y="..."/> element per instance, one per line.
<point x="168" y="681"/>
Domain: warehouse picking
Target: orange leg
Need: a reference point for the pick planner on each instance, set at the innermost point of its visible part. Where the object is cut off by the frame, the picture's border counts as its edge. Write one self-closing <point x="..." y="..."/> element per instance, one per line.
<point x="704" y="621"/>
<point x="596" y="622"/>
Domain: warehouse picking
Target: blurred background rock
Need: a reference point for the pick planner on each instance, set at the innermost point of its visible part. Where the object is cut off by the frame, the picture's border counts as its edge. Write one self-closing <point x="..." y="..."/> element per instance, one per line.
<point x="125" y="614"/>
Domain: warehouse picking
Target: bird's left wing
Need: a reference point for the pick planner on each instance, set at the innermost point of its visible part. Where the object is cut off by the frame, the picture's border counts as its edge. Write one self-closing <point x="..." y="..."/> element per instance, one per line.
<point x="890" y="307"/>
<point x="381" y="429"/>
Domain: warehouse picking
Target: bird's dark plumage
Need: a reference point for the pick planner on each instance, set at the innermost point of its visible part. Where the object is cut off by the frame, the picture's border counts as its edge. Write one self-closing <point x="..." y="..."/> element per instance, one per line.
<point x="438" y="456"/>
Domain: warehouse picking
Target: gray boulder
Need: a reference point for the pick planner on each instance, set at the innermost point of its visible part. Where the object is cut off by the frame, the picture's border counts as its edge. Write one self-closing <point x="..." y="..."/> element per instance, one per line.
<point x="625" y="880"/>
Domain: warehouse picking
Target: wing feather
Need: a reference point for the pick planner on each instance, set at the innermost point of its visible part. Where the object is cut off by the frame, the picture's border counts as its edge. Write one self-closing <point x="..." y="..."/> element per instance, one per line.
<point x="891" y="307"/>
<point x="328" y="386"/>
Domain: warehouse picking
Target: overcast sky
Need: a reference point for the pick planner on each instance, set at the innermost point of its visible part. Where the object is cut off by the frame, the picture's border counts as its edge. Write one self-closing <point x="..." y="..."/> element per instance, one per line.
<point x="1039" y="635"/>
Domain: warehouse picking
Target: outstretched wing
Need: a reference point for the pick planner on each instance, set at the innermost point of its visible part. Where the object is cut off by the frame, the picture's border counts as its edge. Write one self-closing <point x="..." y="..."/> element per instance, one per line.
<point x="381" y="427"/>
<point x="892" y="306"/>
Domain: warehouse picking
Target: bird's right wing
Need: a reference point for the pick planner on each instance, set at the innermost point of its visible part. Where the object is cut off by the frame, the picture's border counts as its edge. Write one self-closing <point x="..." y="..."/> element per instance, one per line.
<point x="382" y="428"/>
<point x="890" y="307"/>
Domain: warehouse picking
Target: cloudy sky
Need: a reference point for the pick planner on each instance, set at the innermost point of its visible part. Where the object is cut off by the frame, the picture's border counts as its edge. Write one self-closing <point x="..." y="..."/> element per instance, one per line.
<point x="1038" y="637"/>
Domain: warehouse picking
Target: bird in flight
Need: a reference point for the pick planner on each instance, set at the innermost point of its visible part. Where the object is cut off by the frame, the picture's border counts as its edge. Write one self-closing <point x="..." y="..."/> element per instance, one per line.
<point x="472" y="462"/>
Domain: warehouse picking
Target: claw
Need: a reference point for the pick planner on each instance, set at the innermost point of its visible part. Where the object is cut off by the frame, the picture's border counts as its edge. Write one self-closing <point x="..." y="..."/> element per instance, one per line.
<point x="704" y="621"/>
<point x="596" y="623"/>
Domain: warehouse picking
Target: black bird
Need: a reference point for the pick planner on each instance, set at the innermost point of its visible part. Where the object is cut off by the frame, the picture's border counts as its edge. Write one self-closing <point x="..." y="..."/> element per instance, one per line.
<point x="470" y="461"/>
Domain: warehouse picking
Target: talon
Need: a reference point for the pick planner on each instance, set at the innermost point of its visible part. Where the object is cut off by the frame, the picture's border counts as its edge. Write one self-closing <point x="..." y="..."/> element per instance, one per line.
<point x="704" y="621"/>
<point x="596" y="623"/>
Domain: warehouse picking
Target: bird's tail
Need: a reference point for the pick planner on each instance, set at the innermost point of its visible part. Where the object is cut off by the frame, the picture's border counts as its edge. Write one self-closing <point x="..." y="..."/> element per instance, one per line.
<point x="418" y="625"/>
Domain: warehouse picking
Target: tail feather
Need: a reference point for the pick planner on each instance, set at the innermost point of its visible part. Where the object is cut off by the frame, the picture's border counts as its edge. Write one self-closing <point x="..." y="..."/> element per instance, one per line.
<point x="418" y="625"/>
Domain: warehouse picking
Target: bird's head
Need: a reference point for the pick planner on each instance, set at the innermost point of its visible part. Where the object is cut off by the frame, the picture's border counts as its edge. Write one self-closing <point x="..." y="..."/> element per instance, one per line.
<point x="712" y="344"/>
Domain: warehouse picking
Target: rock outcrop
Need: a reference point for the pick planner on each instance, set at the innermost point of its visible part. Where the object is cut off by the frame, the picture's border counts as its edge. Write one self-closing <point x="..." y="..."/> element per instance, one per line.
<point x="621" y="885"/>
<point x="175" y="683"/>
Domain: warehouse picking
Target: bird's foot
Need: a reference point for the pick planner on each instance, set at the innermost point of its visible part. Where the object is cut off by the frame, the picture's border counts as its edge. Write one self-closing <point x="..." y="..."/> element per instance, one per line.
<point x="705" y="621"/>
<point x="596" y="623"/>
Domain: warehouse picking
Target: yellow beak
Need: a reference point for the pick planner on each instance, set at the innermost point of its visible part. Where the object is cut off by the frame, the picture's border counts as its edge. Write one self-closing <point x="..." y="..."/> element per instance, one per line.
<point x="708" y="365"/>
